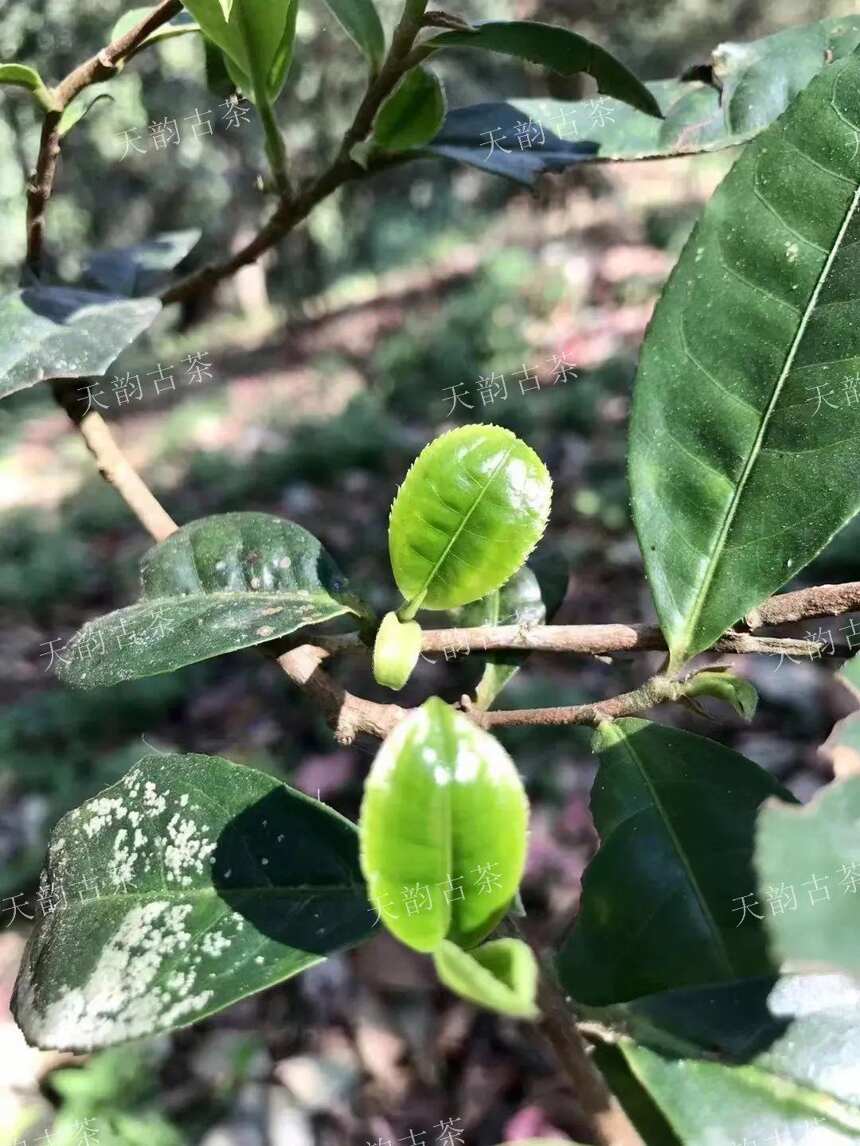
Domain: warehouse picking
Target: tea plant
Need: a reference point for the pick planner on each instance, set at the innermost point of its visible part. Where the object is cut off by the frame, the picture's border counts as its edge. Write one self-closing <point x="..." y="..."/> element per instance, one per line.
<point x="705" y="992"/>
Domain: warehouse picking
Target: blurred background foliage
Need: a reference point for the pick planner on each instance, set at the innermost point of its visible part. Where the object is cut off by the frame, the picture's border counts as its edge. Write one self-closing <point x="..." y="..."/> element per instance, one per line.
<point x="331" y="367"/>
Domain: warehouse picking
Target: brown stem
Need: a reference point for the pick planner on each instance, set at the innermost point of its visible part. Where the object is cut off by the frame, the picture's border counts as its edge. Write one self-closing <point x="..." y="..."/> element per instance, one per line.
<point x="594" y="640"/>
<point x="114" y="466"/>
<point x="99" y="67"/>
<point x="291" y="212"/>
<point x="609" y="1122"/>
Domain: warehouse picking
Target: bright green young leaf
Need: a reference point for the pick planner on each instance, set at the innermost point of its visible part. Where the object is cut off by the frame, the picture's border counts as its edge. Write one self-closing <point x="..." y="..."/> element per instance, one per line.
<point x="500" y="975"/>
<point x="719" y="683"/>
<point x="360" y="20"/>
<point x="139" y="270"/>
<point x="813" y="851"/>
<point x="443" y="829"/>
<point x="676" y="817"/>
<point x="556" y="48"/>
<point x="751" y="85"/>
<point x="762" y="1059"/>
<point x="729" y="449"/>
<point x="396" y="651"/>
<point x="177" y="891"/>
<point x="21" y="76"/>
<point x="412" y="114"/>
<point x="49" y="332"/>
<point x="473" y="505"/>
<point x="217" y="585"/>
<point x="531" y="597"/>
<point x="256" y="36"/>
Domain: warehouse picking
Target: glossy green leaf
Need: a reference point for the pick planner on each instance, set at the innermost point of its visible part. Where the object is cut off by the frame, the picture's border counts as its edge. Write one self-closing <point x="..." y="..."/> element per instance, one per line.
<point x="181" y="25"/>
<point x="676" y="817"/>
<point x="360" y="20"/>
<point x="219" y="584"/>
<point x="500" y="975"/>
<point x="443" y="829"/>
<point x="556" y="48"/>
<point x="256" y="38"/>
<point x="49" y="332"/>
<point x="21" y="76"/>
<point x="474" y="503"/>
<point x="395" y="651"/>
<point x="728" y="450"/>
<point x="752" y="1061"/>
<point x="531" y="597"/>
<point x="412" y="114"/>
<point x="808" y="860"/>
<point x="176" y="892"/>
<point x="751" y="85"/>
<point x="142" y="269"/>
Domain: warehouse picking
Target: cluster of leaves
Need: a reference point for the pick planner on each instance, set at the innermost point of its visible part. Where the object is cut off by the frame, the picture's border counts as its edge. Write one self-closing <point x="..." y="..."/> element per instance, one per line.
<point x="218" y="881"/>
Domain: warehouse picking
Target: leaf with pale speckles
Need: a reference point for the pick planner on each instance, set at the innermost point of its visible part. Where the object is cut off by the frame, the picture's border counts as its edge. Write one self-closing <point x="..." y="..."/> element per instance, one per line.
<point x="217" y="585"/>
<point x="49" y="332"/>
<point x="191" y="883"/>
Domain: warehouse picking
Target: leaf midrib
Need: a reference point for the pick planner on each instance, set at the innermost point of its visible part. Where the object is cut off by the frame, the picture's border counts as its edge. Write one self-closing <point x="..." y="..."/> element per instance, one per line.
<point x="717" y="935"/>
<point x="425" y="586"/>
<point x="679" y="654"/>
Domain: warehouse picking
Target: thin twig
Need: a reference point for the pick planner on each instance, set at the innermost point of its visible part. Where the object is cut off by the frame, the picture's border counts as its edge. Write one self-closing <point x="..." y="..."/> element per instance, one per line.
<point x="609" y="1122"/>
<point x="292" y="211"/>
<point x="100" y="67"/>
<point x="593" y="640"/>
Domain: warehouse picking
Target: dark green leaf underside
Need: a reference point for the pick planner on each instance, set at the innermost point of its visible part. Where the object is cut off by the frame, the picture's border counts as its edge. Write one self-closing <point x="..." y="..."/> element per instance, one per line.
<point x="182" y="890"/>
<point x="753" y="84"/>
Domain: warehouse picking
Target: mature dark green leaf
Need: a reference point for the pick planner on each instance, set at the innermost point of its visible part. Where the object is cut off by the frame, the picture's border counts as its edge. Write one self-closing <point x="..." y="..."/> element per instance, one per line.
<point x="412" y="114"/>
<point x="473" y="505"/>
<point x="360" y="20"/>
<point x="139" y="270"/>
<point x="676" y="816"/>
<point x="531" y="597"/>
<point x="753" y="1061"/>
<point x="752" y="84"/>
<point x="556" y="48"/>
<point x="728" y="457"/>
<point x="443" y="829"/>
<point x="500" y="975"/>
<point x="178" y="891"/>
<point x="256" y="36"/>
<point x="219" y="584"/>
<point x="51" y="332"/>
<point x="808" y="860"/>
<point x="779" y="1052"/>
